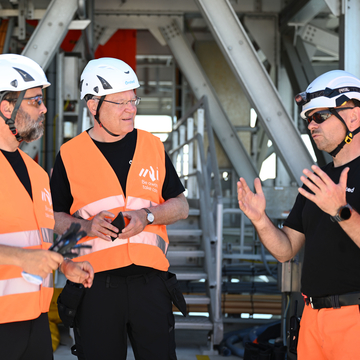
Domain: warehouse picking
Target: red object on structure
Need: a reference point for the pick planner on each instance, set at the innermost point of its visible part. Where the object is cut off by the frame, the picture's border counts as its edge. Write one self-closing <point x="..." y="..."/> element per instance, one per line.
<point x="122" y="45"/>
<point x="70" y="40"/>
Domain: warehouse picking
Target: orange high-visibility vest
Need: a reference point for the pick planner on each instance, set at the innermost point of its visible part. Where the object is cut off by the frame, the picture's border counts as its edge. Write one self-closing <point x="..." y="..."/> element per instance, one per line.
<point x="29" y="224"/>
<point x="95" y="187"/>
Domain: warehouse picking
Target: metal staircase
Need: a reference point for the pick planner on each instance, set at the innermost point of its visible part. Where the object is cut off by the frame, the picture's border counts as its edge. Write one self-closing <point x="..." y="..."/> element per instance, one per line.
<point x="194" y="252"/>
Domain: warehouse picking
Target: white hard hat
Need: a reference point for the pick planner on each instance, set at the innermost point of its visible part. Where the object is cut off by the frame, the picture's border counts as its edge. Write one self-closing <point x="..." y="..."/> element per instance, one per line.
<point x="20" y="73"/>
<point x="107" y="76"/>
<point x="329" y="90"/>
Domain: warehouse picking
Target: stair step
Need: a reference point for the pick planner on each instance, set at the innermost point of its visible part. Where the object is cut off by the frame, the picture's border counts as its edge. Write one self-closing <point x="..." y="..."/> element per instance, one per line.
<point x="184" y="253"/>
<point x="189" y="274"/>
<point x="184" y="232"/>
<point x="194" y="212"/>
<point x="197" y="299"/>
<point x="193" y="323"/>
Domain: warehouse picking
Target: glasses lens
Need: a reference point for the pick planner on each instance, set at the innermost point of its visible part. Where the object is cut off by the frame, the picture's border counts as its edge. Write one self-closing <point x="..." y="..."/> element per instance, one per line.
<point x="35" y="101"/>
<point x="319" y="117"/>
<point x="38" y="100"/>
<point x="133" y="102"/>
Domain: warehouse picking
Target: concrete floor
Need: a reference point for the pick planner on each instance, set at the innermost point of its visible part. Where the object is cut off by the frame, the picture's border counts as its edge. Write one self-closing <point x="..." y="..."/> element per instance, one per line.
<point x="190" y="345"/>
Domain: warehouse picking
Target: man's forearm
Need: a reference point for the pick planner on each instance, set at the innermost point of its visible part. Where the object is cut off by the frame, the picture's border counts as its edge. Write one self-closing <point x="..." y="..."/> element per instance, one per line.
<point x="10" y="255"/>
<point x="171" y="211"/>
<point x="283" y="244"/>
<point x="352" y="228"/>
<point x="64" y="220"/>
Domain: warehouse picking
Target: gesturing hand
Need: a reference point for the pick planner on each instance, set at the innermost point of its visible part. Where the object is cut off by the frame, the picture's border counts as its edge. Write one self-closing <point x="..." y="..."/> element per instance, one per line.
<point x="252" y="204"/>
<point x="100" y="226"/>
<point x="327" y="195"/>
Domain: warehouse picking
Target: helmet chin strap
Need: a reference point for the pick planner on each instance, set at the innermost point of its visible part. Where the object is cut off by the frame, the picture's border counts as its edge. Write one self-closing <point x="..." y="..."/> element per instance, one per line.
<point x="11" y="122"/>
<point x="101" y="100"/>
<point x="349" y="134"/>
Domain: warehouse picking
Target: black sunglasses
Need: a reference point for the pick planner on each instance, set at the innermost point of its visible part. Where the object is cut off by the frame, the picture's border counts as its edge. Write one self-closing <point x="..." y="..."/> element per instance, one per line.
<point x="320" y="116"/>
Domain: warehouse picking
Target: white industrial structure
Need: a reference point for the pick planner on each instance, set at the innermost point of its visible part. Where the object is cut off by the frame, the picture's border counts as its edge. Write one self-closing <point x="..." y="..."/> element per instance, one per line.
<point x="226" y="71"/>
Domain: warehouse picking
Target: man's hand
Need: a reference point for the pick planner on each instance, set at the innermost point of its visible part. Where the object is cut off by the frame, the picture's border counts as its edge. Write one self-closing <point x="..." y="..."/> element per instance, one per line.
<point x="137" y="223"/>
<point x="327" y="195"/>
<point x="252" y="204"/>
<point x="39" y="262"/>
<point x="100" y="226"/>
<point x="78" y="272"/>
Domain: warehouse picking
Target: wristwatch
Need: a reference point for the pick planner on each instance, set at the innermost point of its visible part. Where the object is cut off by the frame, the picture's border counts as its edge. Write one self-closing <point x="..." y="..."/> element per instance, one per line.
<point x="149" y="217"/>
<point x="344" y="213"/>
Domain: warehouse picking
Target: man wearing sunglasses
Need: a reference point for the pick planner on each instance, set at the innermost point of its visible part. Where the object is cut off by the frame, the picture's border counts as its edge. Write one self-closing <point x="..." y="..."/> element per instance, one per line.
<point x="26" y="218"/>
<point x="325" y="219"/>
<point x="108" y="169"/>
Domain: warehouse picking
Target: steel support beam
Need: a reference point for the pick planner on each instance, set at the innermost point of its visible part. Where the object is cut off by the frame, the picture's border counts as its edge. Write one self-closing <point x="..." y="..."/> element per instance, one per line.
<point x="350" y="31"/>
<point x="300" y="12"/>
<point x="326" y="41"/>
<point x="50" y="32"/>
<point x="301" y="74"/>
<point x="200" y="85"/>
<point x="44" y="43"/>
<point x="256" y="83"/>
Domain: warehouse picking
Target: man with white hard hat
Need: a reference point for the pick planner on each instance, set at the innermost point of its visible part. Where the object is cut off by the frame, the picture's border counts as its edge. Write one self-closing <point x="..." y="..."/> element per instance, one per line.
<point x="325" y="219"/>
<point x="26" y="218"/>
<point x="112" y="168"/>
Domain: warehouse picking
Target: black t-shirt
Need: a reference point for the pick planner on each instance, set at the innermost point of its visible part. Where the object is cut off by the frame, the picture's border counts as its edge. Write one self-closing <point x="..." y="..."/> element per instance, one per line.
<point x="61" y="193"/>
<point x="18" y="165"/>
<point x="331" y="259"/>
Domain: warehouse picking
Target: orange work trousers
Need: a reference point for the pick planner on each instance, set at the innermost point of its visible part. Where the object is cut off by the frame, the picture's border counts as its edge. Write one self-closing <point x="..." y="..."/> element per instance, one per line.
<point x="329" y="334"/>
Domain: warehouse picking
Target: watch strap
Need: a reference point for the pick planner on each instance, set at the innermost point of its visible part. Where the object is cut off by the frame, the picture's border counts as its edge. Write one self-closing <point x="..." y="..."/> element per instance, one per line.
<point x="149" y="215"/>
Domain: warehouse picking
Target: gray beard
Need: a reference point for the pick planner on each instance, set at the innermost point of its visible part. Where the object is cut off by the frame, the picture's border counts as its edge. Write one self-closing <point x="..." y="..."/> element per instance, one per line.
<point x="28" y="129"/>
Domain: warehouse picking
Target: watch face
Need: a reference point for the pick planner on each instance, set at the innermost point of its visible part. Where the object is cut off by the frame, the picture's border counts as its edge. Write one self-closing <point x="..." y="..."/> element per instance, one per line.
<point x="150" y="217"/>
<point x="345" y="213"/>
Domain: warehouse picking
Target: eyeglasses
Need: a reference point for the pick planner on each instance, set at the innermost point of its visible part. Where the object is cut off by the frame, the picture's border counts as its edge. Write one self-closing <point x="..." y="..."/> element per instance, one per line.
<point x="133" y="102"/>
<point x="35" y="100"/>
<point x="320" y="116"/>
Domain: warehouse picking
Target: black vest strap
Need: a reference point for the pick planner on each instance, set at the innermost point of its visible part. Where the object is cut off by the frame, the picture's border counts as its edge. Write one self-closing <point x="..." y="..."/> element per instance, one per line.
<point x="349" y="134"/>
<point x="97" y="117"/>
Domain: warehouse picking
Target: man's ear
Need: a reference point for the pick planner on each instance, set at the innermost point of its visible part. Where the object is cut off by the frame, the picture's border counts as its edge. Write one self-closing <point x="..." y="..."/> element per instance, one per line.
<point x="92" y="106"/>
<point x="355" y="118"/>
<point x="6" y="108"/>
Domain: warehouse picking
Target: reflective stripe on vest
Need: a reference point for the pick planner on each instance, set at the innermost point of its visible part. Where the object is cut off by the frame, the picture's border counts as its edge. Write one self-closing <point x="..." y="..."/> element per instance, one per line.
<point x="26" y="223"/>
<point x="89" y="210"/>
<point x="102" y="191"/>
<point x="20" y="285"/>
<point x="26" y="238"/>
<point x="145" y="237"/>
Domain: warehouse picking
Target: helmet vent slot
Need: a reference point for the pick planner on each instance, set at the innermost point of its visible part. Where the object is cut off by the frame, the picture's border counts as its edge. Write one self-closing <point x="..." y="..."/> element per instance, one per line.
<point x="104" y="83"/>
<point x="26" y="76"/>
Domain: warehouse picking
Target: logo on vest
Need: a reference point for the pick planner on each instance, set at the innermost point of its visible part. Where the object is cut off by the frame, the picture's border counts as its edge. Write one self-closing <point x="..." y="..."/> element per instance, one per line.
<point x="149" y="185"/>
<point x="46" y="196"/>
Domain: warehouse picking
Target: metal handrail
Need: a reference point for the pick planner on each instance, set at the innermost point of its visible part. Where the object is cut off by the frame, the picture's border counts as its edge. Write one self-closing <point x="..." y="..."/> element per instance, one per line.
<point x="212" y="235"/>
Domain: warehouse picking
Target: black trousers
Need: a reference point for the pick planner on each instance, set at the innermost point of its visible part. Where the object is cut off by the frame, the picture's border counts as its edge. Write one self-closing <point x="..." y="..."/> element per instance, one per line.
<point x="26" y="340"/>
<point x="114" y="308"/>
